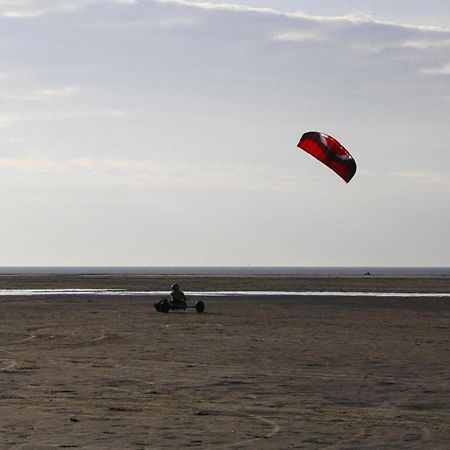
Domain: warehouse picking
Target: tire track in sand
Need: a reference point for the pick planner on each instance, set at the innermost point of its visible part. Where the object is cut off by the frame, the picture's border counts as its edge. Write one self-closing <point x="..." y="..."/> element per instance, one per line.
<point x="11" y="366"/>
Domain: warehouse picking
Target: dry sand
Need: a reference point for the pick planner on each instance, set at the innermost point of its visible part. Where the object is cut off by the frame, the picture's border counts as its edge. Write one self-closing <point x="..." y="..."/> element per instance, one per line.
<point x="251" y="373"/>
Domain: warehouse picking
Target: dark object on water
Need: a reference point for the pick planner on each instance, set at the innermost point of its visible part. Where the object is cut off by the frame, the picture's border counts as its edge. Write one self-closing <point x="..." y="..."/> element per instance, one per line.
<point x="165" y="306"/>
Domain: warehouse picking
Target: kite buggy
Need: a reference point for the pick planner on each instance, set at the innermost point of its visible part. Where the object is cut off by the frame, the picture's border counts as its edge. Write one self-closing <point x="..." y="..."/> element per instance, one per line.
<point x="165" y="306"/>
<point x="178" y="301"/>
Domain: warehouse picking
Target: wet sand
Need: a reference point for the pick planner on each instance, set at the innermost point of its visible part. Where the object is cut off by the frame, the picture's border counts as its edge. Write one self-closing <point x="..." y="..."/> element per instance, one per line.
<point x="252" y="373"/>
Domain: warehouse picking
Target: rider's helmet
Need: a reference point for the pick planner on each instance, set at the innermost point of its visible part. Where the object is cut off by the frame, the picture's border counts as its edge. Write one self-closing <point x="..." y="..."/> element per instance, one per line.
<point x="175" y="287"/>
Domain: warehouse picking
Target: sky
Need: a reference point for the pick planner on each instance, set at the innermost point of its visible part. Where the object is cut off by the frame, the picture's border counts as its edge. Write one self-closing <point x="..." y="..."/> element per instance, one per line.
<point x="164" y="132"/>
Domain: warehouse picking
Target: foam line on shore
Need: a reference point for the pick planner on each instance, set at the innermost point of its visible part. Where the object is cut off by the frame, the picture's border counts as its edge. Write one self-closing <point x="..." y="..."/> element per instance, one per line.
<point x="120" y="292"/>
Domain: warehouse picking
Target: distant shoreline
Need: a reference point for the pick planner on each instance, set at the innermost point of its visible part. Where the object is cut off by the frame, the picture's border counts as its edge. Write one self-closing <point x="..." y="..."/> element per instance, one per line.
<point x="229" y="270"/>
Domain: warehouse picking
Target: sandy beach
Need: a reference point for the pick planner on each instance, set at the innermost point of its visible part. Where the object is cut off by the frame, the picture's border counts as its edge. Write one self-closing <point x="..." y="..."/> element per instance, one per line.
<point x="251" y="373"/>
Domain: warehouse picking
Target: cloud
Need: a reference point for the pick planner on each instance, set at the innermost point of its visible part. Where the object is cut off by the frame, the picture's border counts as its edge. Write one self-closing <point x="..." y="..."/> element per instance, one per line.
<point x="356" y="18"/>
<point x="220" y="6"/>
<point x="25" y="9"/>
<point x="297" y="36"/>
<point x="146" y="172"/>
<point x="442" y="70"/>
<point x="48" y="94"/>
<point x="7" y="120"/>
<point x="65" y="91"/>
<point x="204" y="69"/>
<point x="35" y="8"/>
<point x="25" y="166"/>
<point x="202" y="63"/>
<point x="31" y="9"/>
<point x="359" y="33"/>
<point x="425" y="44"/>
<point x="363" y="31"/>
<point x="437" y="179"/>
<point x="16" y="120"/>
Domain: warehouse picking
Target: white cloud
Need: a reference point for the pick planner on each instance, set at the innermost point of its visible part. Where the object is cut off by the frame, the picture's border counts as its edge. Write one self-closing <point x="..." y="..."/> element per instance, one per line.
<point x="443" y="70"/>
<point x="42" y="94"/>
<point x="35" y="8"/>
<point x="17" y="14"/>
<point x="221" y="6"/>
<point x="297" y="36"/>
<point x="427" y="44"/>
<point x="29" y="9"/>
<point x="57" y="92"/>
<point x="355" y="18"/>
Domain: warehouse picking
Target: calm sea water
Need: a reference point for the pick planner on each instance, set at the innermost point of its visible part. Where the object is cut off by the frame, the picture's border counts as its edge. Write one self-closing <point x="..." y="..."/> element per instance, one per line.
<point x="119" y="292"/>
<point x="393" y="271"/>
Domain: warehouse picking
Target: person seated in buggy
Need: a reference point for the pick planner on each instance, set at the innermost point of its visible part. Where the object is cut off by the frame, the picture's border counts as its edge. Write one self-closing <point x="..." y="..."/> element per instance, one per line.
<point x="178" y="298"/>
<point x="177" y="301"/>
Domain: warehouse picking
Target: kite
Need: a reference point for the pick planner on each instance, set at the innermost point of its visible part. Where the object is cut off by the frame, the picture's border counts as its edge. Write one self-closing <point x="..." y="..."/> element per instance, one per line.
<point x="330" y="152"/>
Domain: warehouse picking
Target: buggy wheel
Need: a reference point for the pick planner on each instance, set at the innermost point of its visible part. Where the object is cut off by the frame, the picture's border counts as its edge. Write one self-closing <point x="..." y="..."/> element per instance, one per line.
<point x="199" y="306"/>
<point x="164" y="306"/>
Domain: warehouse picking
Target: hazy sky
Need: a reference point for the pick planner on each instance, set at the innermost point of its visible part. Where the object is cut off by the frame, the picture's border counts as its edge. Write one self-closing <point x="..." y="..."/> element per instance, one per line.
<point x="145" y="132"/>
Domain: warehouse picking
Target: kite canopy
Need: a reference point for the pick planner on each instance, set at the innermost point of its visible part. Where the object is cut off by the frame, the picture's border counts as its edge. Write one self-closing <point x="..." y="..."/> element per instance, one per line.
<point x="330" y="152"/>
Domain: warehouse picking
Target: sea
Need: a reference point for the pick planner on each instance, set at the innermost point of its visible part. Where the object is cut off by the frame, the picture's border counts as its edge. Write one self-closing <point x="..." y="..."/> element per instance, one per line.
<point x="324" y="271"/>
<point x="226" y="270"/>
